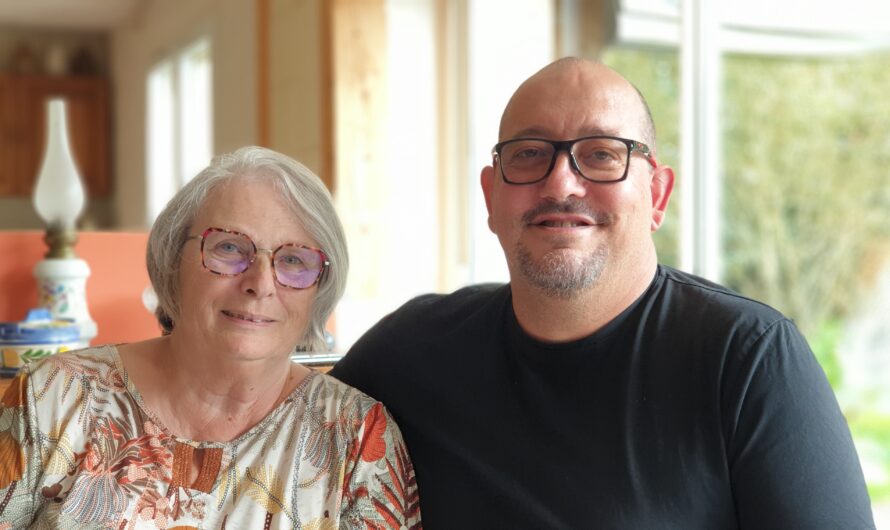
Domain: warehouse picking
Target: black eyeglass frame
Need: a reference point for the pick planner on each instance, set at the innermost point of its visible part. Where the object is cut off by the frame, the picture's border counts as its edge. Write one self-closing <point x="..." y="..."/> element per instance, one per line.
<point x="325" y="262"/>
<point x="567" y="145"/>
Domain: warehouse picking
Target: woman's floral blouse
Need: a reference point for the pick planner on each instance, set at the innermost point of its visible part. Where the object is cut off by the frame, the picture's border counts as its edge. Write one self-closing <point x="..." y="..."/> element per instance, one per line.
<point x="79" y="450"/>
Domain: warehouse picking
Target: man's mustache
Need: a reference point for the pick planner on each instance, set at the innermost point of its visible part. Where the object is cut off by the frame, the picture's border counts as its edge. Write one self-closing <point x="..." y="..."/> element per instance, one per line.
<point x="569" y="206"/>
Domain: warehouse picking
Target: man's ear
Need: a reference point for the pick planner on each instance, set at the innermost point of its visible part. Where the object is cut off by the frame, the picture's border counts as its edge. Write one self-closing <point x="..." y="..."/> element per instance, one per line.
<point x="661" y="187"/>
<point x="486" y="179"/>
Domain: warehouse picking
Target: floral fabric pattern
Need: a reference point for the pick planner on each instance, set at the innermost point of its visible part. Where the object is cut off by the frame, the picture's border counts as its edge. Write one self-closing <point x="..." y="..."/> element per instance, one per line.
<point x="78" y="450"/>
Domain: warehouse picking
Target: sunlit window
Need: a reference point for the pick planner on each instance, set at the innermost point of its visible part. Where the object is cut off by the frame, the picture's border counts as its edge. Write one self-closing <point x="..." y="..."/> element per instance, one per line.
<point x="803" y="142"/>
<point x="420" y="227"/>
<point x="179" y="122"/>
<point x="499" y="62"/>
<point x="390" y="210"/>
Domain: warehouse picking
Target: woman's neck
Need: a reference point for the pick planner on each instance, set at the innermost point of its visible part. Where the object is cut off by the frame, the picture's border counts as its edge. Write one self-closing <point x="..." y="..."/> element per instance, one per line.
<point x="202" y="396"/>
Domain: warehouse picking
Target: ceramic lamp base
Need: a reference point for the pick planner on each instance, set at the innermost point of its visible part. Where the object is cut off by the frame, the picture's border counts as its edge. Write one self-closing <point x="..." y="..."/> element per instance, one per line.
<point x="61" y="286"/>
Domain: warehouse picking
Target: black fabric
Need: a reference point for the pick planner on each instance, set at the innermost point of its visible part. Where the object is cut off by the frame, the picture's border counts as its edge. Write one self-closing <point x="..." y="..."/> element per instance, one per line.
<point x="695" y="408"/>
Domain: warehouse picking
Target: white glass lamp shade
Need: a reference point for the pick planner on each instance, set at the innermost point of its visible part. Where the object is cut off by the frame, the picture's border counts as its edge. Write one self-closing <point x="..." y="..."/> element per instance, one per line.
<point x="59" y="195"/>
<point x="59" y="200"/>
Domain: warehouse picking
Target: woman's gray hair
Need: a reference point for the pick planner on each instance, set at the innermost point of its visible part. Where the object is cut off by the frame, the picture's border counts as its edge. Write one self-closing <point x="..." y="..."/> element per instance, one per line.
<point x="300" y="188"/>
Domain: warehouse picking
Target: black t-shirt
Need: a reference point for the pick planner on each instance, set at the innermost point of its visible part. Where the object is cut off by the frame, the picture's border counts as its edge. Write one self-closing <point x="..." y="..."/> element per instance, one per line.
<point x="694" y="408"/>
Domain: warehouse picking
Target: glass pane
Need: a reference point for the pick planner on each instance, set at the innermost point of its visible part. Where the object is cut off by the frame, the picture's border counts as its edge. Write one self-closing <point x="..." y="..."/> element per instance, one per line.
<point x="179" y="122"/>
<point x="806" y="152"/>
<point x="196" y="108"/>
<point x="160" y="155"/>
<point x="499" y="62"/>
<point x="656" y="73"/>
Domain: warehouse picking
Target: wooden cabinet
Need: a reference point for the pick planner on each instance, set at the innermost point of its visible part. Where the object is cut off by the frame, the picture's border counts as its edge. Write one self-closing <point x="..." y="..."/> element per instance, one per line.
<point x="23" y="130"/>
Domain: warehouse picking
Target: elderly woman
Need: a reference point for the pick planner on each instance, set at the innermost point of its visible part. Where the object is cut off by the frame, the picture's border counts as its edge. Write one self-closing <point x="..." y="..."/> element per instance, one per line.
<point x="212" y="425"/>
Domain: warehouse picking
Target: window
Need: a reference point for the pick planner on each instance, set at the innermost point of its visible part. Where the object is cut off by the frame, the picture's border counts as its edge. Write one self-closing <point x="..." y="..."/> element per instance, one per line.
<point x="420" y="226"/>
<point x="179" y="122"/>
<point x="805" y="219"/>
<point x="499" y="62"/>
<point x="388" y="199"/>
<point x="782" y="174"/>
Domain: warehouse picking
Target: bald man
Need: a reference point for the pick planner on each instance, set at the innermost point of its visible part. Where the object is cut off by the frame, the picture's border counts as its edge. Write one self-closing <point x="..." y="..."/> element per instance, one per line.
<point x="599" y="389"/>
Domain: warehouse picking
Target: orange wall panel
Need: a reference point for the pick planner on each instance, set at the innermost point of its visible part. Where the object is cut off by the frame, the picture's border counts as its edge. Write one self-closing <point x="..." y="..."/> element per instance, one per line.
<point x="114" y="288"/>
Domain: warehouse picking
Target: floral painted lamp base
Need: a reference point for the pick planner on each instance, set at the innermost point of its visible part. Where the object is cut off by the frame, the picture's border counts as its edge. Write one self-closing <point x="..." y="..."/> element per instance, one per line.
<point x="62" y="290"/>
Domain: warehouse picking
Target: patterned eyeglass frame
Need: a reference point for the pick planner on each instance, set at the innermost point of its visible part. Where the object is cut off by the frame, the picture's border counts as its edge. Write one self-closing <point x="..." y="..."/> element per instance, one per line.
<point x="567" y="145"/>
<point x="325" y="262"/>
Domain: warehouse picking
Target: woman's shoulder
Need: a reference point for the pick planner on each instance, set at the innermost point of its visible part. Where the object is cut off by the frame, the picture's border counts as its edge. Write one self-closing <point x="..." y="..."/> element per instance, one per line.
<point x="89" y="368"/>
<point x="335" y="398"/>
<point x="89" y="358"/>
<point x="332" y="389"/>
<point x="66" y="392"/>
<point x="361" y="418"/>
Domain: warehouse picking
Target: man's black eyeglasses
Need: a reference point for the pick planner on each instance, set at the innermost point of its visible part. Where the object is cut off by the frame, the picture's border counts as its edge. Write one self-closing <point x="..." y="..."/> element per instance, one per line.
<point x="596" y="158"/>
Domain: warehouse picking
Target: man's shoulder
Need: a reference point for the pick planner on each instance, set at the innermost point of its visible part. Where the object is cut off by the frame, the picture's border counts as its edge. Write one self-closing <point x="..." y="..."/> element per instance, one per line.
<point x="684" y="287"/>
<point x="430" y="320"/>
<point x="688" y="299"/>
<point x="460" y="303"/>
<point x="410" y="338"/>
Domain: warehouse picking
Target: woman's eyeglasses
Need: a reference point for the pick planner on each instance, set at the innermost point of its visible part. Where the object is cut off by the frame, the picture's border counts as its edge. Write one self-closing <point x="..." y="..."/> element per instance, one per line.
<point x="230" y="253"/>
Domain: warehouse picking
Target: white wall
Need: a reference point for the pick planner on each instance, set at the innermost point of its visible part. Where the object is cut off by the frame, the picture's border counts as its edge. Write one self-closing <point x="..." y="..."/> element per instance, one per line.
<point x="156" y="30"/>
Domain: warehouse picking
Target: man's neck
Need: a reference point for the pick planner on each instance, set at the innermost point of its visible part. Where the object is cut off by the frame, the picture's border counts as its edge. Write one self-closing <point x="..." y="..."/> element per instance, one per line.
<point x="557" y="319"/>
